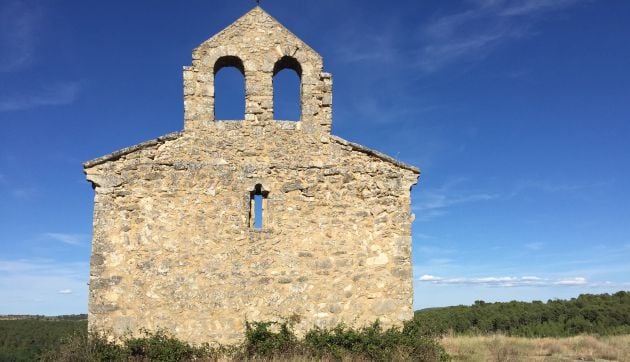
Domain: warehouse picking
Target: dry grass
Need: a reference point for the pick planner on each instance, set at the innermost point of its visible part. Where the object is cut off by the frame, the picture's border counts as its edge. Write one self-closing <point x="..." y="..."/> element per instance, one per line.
<point x="501" y="348"/>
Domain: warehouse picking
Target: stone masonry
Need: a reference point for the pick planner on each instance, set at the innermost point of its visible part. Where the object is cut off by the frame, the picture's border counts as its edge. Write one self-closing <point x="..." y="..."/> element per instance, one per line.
<point x="174" y="244"/>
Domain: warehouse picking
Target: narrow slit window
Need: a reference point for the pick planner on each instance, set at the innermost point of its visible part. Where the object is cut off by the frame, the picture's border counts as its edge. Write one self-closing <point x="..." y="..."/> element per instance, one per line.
<point x="257" y="207"/>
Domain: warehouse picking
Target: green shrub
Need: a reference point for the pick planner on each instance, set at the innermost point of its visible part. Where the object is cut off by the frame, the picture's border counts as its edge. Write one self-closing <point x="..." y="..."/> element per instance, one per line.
<point x="81" y="347"/>
<point x="342" y="342"/>
<point x="263" y="340"/>
<point x="260" y="340"/>
<point x="160" y="347"/>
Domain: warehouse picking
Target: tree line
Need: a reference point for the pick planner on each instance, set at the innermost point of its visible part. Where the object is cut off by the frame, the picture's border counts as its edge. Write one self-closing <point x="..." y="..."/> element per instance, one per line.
<point x="602" y="314"/>
<point x="25" y="338"/>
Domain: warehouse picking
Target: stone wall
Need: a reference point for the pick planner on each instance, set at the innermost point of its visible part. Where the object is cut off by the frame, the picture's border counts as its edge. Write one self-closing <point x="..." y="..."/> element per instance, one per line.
<point x="174" y="247"/>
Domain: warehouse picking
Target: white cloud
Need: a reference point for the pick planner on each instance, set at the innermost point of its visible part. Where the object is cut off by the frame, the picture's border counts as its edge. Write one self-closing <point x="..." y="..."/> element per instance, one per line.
<point x="507" y="281"/>
<point x="472" y="33"/>
<point x="70" y="239"/>
<point x="65" y="291"/>
<point x="429" y="278"/>
<point x="18" y="28"/>
<point x="572" y="281"/>
<point x="51" y="95"/>
<point x="531" y="278"/>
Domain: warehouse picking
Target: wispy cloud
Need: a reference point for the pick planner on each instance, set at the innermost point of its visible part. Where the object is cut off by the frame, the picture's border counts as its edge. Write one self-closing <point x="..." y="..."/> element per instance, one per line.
<point x="24" y="192"/>
<point x="21" y="192"/>
<point x="473" y="33"/>
<point x="556" y="187"/>
<point x="509" y="281"/>
<point x="70" y="239"/>
<point x="374" y="48"/>
<point x="432" y="203"/>
<point x="534" y="246"/>
<point x="435" y="202"/>
<point x="18" y="28"/>
<point x="50" y="95"/>
<point x="433" y="250"/>
<point x="40" y="266"/>
<point x="440" y="262"/>
<point x="65" y="291"/>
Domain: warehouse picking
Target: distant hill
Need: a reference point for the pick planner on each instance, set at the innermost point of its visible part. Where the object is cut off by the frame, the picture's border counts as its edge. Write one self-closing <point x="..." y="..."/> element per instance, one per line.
<point x="68" y="317"/>
<point x="603" y="314"/>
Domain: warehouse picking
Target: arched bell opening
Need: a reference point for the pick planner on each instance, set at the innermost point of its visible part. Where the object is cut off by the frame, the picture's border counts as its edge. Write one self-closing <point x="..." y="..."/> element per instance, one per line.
<point x="229" y="89"/>
<point x="287" y="89"/>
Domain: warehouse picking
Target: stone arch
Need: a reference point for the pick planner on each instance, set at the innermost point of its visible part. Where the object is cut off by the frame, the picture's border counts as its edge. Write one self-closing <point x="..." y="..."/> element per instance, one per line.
<point x="288" y="63"/>
<point x="229" y="61"/>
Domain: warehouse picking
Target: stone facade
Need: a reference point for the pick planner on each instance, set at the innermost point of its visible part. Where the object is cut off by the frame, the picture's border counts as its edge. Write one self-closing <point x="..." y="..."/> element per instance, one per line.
<point x="174" y="242"/>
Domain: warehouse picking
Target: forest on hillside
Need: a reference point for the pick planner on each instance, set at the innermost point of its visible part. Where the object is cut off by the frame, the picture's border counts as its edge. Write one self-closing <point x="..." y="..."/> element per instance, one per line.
<point x="602" y="314"/>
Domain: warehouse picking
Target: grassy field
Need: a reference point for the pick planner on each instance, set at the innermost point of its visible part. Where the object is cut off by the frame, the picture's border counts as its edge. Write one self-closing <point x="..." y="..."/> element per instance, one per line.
<point x="501" y="348"/>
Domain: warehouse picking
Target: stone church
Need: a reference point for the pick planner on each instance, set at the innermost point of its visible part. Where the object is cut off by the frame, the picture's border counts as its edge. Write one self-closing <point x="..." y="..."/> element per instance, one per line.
<point x="257" y="219"/>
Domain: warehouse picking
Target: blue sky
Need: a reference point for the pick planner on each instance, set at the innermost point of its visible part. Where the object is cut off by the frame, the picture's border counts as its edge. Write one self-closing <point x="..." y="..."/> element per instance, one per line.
<point x="517" y="113"/>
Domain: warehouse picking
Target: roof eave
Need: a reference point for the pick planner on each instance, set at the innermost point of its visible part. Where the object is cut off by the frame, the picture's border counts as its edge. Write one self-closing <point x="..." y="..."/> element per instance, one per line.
<point x="376" y="154"/>
<point x="127" y="150"/>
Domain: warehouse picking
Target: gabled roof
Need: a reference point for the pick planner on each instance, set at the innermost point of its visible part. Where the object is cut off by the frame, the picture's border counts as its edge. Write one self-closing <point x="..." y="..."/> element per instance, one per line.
<point x="175" y="135"/>
<point x="255" y="15"/>
<point x="127" y="150"/>
<point x="371" y="152"/>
